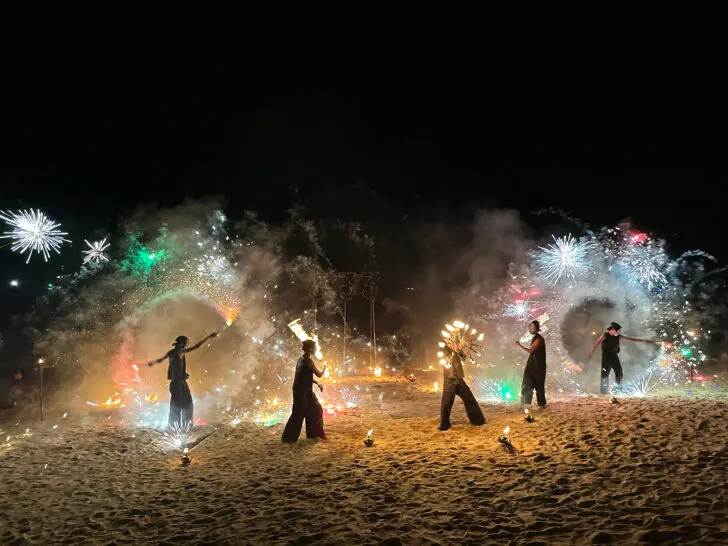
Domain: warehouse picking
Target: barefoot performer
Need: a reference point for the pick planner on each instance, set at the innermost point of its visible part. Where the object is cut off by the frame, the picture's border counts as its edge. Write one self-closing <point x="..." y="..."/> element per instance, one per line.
<point x="610" y="361"/>
<point x="453" y="356"/>
<point x="305" y="404"/>
<point x="180" y="404"/>
<point x="534" y="376"/>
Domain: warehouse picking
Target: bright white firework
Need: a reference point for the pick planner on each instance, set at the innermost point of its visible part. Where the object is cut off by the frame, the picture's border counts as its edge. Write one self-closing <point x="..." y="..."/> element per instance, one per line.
<point x="519" y="309"/>
<point x="567" y="257"/>
<point x="32" y="232"/>
<point x="95" y="252"/>
<point x="644" y="264"/>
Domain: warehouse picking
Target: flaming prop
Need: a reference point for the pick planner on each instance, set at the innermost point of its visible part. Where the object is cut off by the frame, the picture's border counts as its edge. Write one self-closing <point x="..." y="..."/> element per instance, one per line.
<point x="459" y="337"/>
<point x="301" y="334"/>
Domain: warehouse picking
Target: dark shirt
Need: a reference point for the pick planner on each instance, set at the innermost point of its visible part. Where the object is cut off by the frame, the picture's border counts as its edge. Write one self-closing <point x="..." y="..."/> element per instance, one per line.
<point x="177" y="366"/>
<point x="610" y="344"/>
<point x="537" y="359"/>
<point x="303" y="380"/>
<point x="455" y="371"/>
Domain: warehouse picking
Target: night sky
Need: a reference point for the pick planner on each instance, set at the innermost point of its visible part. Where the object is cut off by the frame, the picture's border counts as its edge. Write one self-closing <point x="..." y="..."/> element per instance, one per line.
<point x="443" y="113"/>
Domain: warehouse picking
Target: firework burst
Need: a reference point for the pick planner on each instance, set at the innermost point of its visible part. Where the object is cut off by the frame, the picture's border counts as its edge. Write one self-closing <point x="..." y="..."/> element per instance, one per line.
<point x="95" y="252"/>
<point x="645" y="264"/>
<point x="519" y="309"/>
<point x="32" y="232"/>
<point x="567" y="257"/>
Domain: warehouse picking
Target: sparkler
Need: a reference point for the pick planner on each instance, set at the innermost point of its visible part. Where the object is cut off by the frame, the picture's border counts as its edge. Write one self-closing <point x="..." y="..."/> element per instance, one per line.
<point x="95" y="253"/>
<point x="640" y="387"/>
<point x="32" y="232"/>
<point x="369" y="441"/>
<point x="528" y="417"/>
<point x="567" y="257"/>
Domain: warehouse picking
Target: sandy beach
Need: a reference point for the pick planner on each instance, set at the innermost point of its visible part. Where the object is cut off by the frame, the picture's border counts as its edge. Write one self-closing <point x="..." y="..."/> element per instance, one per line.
<point x="586" y="472"/>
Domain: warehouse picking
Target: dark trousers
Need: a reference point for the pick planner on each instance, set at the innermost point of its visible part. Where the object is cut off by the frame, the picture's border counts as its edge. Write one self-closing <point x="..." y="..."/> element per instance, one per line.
<point x="610" y="361"/>
<point x="305" y="406"/>
<point x="180" y="416"/>
<point x="458" y="387"/>
<point x="534" y="378"/>
<point x="180" y="405"/>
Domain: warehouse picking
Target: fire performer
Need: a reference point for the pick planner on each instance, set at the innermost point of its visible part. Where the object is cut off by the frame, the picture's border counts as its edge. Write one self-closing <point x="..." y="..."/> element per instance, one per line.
<point x="181" y="406"/>
<point x="534" y="376"/>
<point x="305" y="404"/>
<point x="454" y="385"/>
<point x="610" y="361"/>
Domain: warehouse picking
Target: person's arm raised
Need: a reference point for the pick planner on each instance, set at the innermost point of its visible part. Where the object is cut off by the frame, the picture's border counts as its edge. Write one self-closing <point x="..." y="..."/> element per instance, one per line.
<point x="199" y="344"/>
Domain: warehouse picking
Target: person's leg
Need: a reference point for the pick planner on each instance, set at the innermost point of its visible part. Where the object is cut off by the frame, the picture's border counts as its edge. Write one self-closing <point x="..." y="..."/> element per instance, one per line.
<point x="618" y="374"/>
<point x="475" y="414"/>
<point x="186" y="417"/>
<point x="315" y="419"/>
<point x="527" y="386"/>
<point x="540" y="378"/>
<point x="606" y="368"/>
<point x="295" y="421"/>
<point x="448" y="398"/>
<point x="175" y="416"/>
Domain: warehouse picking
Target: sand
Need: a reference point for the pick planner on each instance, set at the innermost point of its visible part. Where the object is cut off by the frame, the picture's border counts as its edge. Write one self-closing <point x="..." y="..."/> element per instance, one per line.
<point x="587" y="471"/>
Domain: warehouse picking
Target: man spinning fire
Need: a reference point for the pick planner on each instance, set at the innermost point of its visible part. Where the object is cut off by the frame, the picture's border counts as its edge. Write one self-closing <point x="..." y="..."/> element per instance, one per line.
<point x="452" y="355"/>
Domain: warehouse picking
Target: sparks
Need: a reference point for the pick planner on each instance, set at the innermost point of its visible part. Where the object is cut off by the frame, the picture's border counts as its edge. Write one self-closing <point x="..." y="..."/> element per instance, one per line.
<point x="567" y="257"/>
<point x="645" y="264"/>
<point x="95" y="253"/>
<point x="519" y="309"/>
<point x="33" y="231"/>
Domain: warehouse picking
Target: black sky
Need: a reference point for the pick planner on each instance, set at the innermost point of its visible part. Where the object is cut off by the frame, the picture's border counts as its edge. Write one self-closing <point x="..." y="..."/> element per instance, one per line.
<point x="605" y="117"/>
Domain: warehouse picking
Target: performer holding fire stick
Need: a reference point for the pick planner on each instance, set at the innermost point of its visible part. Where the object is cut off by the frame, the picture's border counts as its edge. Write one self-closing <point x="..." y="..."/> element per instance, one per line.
<point x="180" y="403"/>
<point x="305" y="404"/>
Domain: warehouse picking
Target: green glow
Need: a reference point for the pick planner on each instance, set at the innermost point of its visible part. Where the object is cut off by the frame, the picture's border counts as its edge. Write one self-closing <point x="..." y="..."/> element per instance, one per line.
<point x="686" y="352"/>
<point x="506" y="392"/>
<point x="139" y="259"/>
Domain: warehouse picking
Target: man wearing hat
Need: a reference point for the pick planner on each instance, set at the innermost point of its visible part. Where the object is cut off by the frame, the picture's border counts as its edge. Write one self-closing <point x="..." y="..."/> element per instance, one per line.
<point x="610" y="355"/>
<point x="180" y="403"/>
